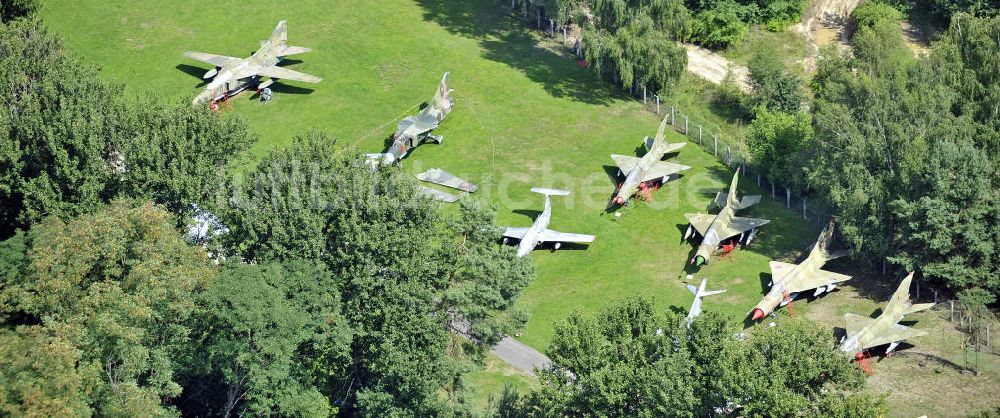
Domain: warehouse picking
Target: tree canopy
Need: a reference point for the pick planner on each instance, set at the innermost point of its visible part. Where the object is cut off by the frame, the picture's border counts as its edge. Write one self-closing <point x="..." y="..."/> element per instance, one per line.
<point x="634" y="360"/>
<point x="73" y="142"/>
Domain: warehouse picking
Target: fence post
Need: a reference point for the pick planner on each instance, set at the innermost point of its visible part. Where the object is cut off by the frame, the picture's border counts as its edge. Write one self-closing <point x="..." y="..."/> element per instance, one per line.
<point x="788" y="198"/>
<point x="552" y="28"/>
<point x="672" y="113"/>
<point x="935" y="296"/>
<point x="564" y="36"/>
<point x="685" y="125"/>
<point x="804" y="198"/>
<point x="699" y="134"/>
<point x="643" y="94"/>
<point x="715" y="148"/>
<point x="758" y="181"/>
<point x="657" y="104"/>
<point x="772" y="188"/>
<point x="951" y="317"/>
<point x="729" y="155"/>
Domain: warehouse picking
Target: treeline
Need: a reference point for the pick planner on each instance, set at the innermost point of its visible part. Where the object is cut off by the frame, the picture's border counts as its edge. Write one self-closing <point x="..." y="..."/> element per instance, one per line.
<point x="905" y="148"/>
<point x="635" y="43"/>
<point x="634" y="360"/>
<point x="333" y="290"/>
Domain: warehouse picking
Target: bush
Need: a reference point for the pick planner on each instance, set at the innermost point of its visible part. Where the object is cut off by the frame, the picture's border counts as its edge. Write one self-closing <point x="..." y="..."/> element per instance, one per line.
<point x="719" y="27"/>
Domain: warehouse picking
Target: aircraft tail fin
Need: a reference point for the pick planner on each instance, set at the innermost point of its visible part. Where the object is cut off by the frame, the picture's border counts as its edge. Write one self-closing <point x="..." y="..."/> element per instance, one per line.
<point x="442" y="97"/>
<point x="902" y="294"/>
<point x="825" y="242"/>
<point x="732" y="186"/>
<point x="550" y="192"/>
<point x="280" y="34"/>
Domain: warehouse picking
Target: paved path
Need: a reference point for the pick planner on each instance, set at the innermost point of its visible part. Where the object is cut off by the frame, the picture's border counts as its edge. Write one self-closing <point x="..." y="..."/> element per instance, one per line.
<point x="520" y="355"/>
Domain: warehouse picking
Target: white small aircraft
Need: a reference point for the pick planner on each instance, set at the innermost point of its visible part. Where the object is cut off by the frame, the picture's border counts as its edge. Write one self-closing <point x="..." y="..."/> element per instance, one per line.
<point x="538" y="233"/>
<point x="699" y="292"/>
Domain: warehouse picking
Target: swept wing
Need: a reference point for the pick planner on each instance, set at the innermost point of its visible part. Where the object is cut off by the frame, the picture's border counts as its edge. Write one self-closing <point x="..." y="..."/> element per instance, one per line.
<point x="286" y="74"/>
<point x="216" y="60"/>
<point x="549" y="235"/>
<point x="700" y="221"/>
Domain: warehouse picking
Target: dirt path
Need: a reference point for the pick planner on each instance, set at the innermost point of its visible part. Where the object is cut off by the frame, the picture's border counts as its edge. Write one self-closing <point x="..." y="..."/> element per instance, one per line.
<point x="714" y="67"/>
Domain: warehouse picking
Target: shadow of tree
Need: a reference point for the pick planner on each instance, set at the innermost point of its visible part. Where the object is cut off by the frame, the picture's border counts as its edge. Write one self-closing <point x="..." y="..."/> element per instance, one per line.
<point x="507" y="39"/>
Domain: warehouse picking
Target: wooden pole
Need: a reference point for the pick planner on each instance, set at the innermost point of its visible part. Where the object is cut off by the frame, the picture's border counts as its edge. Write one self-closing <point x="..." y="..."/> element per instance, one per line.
<point x="699" y="134"/>
<point x="715" y="148"/>
<point x="788" y="198"/>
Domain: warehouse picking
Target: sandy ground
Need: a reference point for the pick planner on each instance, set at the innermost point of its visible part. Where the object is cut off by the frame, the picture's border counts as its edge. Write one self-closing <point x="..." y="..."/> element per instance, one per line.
<point x="714" y="67"/>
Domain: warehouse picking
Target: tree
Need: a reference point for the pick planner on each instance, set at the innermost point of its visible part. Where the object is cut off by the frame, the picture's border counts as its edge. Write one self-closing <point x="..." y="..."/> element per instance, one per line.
<point x="719" y="27"/>
<point x="950" y="231"/>
<point x="39" y="374"/>
<point x="119" y="286"/>
<point x="266" y="328"/>
<point x="777" y="141"/>
<point x="635" y="43"/>
<point x="786" y="370"/>
<point x="407" y="273"/>
<point x="878" y="41"/>
<point x="774" y="87"/>
<point x="73" y="142"/>
<point x="13" y="9"/>
<point x="633" y="360"/>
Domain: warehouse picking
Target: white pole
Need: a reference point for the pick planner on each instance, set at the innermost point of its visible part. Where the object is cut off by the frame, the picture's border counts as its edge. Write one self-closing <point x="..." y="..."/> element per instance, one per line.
<point x="657" y="104"/>
<point x="788" y="198"/>
<point x="804" y="207"/>
<point x="699" y="134"/>
<point x="685" y="125"/>
<point x="643" y="94"/>
<point x="715" y="148"/>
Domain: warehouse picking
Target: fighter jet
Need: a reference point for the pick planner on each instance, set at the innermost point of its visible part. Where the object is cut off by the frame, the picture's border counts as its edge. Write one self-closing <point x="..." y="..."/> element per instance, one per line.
<point x="788" y="280"/>
<point x="699" y="292"/>
<point x="232" y="75"/>
<point x="864" y="332"/>
<point x="642" y="173"/>
<point x="538" y="233"/>
<point x="716" y="228"/>
<point x="414" y="130"/>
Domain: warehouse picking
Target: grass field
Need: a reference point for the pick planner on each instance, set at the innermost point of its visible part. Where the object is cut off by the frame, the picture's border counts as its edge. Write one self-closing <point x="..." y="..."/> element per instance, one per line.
<point x="524" y="116"/>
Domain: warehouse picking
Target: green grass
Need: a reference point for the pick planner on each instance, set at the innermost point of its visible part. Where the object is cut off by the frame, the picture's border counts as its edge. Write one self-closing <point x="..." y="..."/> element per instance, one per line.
<point x="524" y="116"/>
<point x="487" y="383"/>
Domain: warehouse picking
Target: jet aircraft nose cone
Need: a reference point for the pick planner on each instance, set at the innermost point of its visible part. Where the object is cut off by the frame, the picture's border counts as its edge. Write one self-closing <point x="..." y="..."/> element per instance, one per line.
<point x="757" y="314"/>
<point x="699" y="260"/>
<point x="619" y="200"/>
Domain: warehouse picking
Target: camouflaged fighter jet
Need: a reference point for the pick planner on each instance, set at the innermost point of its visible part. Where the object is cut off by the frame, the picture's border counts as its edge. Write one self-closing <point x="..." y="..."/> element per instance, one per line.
<point x="643" y="173"/>
<point x="232" y="75"/>
<point x="414" y="130"/>
<point x="716" y="228"/>
<point x="699" y="292"/>
<point x="864" y="332"/>
<point x="538" y="233"/>
<point x="788" y="280"/>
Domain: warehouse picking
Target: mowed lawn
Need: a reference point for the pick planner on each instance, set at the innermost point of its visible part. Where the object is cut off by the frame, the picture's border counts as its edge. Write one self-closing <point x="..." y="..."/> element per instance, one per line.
<point x="524" y="116"/>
